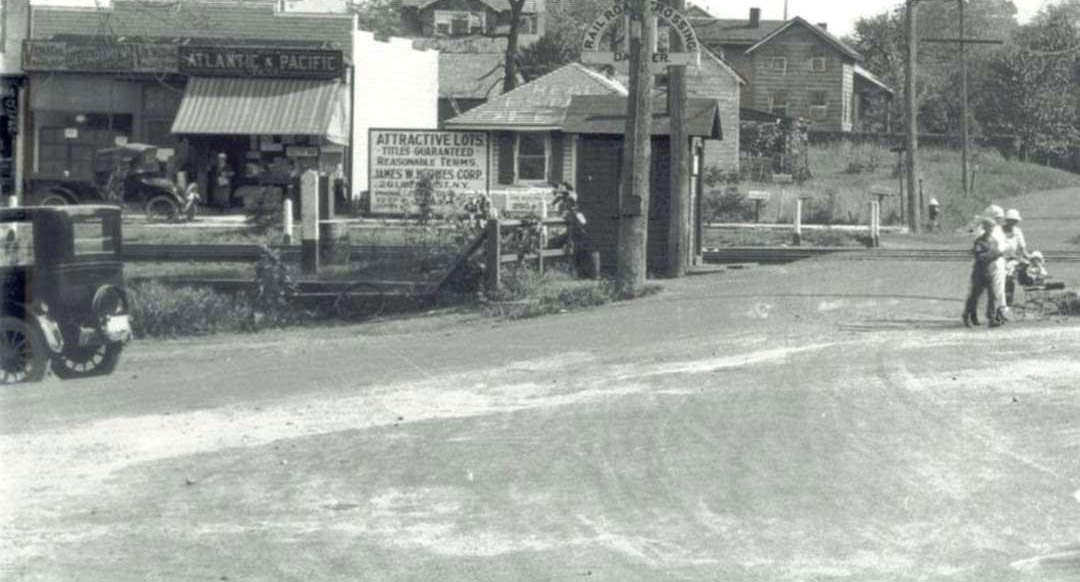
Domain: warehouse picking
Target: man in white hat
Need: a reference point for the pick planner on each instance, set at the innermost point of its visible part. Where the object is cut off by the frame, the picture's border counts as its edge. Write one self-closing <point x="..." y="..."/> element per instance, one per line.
<point x="996" y="308"/>
<point x="1013" y="249"/>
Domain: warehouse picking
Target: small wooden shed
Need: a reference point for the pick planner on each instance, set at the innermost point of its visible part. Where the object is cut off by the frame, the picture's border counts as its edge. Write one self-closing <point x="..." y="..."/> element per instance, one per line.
<point x="598" y="123"/>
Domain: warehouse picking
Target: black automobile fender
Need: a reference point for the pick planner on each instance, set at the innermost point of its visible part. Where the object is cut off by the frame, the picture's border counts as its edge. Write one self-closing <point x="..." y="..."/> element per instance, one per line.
<point x="50" y="330"/>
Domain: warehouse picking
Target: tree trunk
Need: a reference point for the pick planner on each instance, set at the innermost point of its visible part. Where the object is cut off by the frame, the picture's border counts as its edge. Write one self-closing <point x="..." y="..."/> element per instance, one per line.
<point x="510" y="62"/>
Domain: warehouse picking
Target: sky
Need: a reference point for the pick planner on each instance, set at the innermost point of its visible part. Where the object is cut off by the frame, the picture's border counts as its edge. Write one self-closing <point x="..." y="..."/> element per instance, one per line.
<point x="840" y="15"/>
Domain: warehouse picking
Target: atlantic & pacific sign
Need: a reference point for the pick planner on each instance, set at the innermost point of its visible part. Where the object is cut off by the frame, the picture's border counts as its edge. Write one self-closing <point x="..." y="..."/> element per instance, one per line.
<point x="261" y="62"/>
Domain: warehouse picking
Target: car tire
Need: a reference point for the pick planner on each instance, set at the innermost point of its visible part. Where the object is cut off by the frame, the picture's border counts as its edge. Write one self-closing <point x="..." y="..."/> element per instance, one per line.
<point x="23" y="353"/>
<point x="54" y="199"/>
<point x="161" y="208"/>
<point x="86" y="361"/>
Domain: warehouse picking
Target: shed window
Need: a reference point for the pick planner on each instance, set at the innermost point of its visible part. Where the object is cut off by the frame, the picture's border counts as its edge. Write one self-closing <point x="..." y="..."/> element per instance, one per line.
<point x="818" y="64"/>
<point x="532" y="157"/>
<point x="778" y="65"/>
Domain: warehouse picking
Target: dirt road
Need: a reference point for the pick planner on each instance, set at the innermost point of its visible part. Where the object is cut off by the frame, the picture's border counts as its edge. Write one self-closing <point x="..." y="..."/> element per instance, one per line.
<point x="810" y="422"/>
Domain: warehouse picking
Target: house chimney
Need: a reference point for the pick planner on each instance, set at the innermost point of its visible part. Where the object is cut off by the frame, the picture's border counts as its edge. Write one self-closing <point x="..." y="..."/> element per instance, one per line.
<point x="823" y="25"/>
<point x="755" y="17"/>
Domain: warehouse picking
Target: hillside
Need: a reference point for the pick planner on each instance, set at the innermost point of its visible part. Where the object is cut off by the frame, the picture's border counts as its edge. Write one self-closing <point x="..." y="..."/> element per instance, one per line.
<point x="843" y="176"/>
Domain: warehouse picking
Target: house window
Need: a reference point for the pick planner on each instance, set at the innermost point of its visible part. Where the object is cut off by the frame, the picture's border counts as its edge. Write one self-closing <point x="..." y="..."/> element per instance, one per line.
<point x="458" y="22"/>
<point x="778" y="103"/>
<point x="531" y="157"/>
<point x="818" y="64"/>
<point x="778" y="65"/>
<point x="528" y="24"/>
<point x="819" y="105"/>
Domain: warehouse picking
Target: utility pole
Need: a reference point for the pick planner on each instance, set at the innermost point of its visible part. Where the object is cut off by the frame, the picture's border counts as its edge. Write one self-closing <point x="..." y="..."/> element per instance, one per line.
<point x="679" y="167"/>
<point x="964" y="107"/>
<point x="965" y="131"/>
<point x="634" y="190"/>
<point x="912" y="153"/>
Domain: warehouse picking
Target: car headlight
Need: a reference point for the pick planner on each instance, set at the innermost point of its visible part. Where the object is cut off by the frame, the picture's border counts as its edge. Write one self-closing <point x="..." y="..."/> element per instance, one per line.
<point x="109" y="300"/>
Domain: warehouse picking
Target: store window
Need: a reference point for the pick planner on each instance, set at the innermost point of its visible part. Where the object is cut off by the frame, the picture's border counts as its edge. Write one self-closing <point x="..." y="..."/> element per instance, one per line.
<point x="531" y="157"/>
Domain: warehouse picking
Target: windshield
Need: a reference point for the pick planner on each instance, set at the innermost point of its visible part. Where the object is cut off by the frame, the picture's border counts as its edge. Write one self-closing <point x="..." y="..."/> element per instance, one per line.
<point x="91" y="235"/>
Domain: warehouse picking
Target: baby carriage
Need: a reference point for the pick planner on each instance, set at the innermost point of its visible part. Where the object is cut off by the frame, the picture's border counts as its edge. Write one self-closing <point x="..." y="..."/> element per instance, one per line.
<point x="1035" y="281"/>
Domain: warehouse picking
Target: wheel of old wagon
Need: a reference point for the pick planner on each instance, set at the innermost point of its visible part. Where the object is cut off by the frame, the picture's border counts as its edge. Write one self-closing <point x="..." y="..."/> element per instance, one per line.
<point x="86" y="361"/>
<point x="161" y="208"/>
<point x="360" y="301"/>
<point x="23" y="355"/>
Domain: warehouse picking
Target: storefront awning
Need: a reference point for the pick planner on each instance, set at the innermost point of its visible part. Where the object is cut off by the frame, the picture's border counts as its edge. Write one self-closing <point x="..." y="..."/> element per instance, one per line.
<point x="230" y="106"/>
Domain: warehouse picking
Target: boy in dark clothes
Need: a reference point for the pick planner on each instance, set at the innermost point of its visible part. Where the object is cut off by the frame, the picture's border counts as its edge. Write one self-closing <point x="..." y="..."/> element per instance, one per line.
<point x="986" y="251"/>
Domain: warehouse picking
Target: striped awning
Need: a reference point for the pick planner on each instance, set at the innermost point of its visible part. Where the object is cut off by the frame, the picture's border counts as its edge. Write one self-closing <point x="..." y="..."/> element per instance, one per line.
<point x="230" y="106"/>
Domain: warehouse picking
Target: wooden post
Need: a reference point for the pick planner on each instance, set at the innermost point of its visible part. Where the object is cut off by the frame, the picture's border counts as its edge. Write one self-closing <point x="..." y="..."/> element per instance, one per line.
<point x="542" y="242"/>
<point x="679" y="167"/>
<point x="964" y="131"/>
<point x="797" y="239"/>
<point x="634" y="193"/>
<point x="492" y="259"/>
<point x="309" y="216"/>
<point x="287" y="220"/>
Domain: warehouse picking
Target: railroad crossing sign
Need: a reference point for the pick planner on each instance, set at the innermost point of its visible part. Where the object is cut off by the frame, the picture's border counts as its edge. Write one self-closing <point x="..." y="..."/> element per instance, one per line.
<point x="677" y="21"/>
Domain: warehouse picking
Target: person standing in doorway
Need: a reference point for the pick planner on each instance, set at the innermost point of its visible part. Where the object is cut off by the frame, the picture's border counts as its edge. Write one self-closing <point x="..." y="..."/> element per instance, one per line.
<point x="221" y="181"/>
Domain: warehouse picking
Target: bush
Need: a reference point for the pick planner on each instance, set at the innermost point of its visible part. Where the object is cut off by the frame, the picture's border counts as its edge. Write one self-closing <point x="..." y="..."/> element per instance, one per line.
<point x="524" y="292"/>
<point x="265" y="211"/>
<point x="161" y="311"/>
<point x="731" y="206"/>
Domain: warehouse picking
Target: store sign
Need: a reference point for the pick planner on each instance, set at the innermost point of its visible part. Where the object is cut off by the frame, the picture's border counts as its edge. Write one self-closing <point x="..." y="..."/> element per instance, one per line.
<point x="47" y="55"/>
<point x="261" y="62"/>
<point x="10" y="110"/>
<point x="456" y="163"/>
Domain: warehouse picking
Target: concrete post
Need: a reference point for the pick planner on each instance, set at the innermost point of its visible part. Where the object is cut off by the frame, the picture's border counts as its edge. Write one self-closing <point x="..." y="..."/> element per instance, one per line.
<point x="287" y="220"/>
<point x="492" y="258"/>
<point x="309" y="217"/>
<point x="797" y="240"/>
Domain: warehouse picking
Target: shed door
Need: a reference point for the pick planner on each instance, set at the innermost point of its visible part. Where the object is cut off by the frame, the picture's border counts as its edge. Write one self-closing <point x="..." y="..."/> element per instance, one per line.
<point x="598" y="162"/>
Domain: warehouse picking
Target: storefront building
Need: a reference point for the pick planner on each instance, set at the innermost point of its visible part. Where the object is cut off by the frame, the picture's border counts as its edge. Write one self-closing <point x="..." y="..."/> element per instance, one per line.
<point x="267" y="92"/>
<point x="14" y="16"/>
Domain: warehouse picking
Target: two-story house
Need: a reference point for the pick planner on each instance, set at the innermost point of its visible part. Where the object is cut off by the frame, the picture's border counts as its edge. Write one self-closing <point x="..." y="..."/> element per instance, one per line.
<point x="796" y="69"/>
<point x="456" y="18"/>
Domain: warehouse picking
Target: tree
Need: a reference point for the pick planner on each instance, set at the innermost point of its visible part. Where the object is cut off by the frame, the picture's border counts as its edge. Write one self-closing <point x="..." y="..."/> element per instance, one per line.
<point x="1032" y="85"/>
<point x="880" y="39"/>
<point x="383" y="17"/>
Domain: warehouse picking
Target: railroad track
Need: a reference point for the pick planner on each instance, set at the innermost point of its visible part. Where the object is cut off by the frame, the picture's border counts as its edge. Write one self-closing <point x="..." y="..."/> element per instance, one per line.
<point x="246" y="253"/>
<point x="780" y="255"/>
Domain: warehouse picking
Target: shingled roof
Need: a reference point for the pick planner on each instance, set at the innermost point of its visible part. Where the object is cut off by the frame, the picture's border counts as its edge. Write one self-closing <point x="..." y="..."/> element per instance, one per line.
<point x="244" y="21"/>
<point x="470" y="75"/>
<point x="539" y="104"/>
<point x="733" y="30"/>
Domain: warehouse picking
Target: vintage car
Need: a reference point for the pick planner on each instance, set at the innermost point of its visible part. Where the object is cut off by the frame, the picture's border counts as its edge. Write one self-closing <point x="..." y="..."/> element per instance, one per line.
<point x="64" y="297"/>
<point x="128" y="174"/>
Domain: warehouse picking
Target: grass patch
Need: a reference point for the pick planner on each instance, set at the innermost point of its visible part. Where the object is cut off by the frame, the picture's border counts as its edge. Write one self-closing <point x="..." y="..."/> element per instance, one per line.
<point x="844" y="174"/>
<point x="160" y="311"/>
<point x="524" y="293"/>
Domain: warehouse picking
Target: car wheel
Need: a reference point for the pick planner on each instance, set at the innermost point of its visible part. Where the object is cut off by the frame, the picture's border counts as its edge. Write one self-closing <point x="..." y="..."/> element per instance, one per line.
<point x="54" y="199"/>
<point x="161" y="208"/>
<point x="86" y="361"/>
<point x="23" y="356"/>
